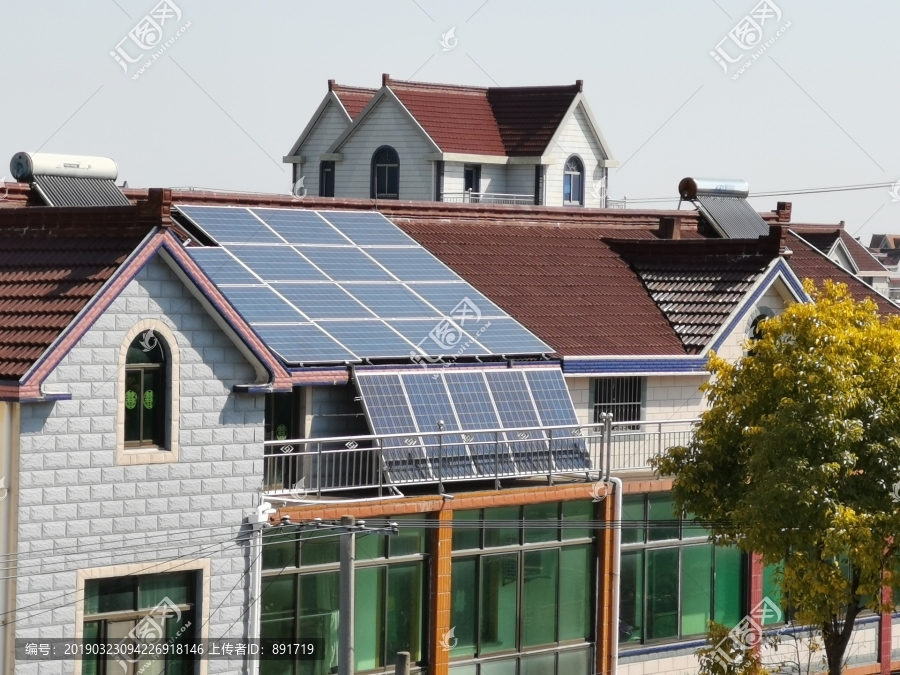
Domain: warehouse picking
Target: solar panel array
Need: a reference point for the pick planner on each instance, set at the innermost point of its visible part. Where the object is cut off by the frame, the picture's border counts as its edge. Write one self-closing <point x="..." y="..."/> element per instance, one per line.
<point x="467" y="400"/>
<point x="338" y="286"/>
<point x="733" y="217"/>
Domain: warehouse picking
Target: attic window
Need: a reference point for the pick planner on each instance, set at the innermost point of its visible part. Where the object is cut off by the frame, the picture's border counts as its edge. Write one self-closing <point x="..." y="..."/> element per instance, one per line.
<point x="385" y="173"/>
<point x="573" y="182"/>
<point x="145" y="391"/>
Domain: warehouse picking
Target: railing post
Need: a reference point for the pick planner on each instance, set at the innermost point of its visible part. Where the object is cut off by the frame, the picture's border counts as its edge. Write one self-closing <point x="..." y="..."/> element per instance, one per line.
<point x="441" y="456"/>
<point x="608" y="431"/>
<point x="496" y="460"/>
<point x="380" y="469"/>
<point x="319" y="469"/>
<point x="659" y="442"/>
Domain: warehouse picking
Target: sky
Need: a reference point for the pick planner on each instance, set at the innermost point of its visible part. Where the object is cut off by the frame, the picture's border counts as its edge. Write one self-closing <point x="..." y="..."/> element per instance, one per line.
<point x="238" y="81"/>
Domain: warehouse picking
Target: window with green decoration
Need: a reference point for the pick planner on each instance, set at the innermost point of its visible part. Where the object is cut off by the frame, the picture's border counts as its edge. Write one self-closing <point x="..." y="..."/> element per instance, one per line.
<point x="146" y="380"/>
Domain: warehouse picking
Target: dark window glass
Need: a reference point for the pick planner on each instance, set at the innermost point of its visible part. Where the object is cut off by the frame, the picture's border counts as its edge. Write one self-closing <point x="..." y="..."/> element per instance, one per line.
<point x="279" y="548"/>
<point x="573" y="181"/>
<point x="547" y="515"/>
<point x="539" y="597"/>
<point x="404" y="612"/>
<point x="472" y="178"/>
<point x="466" y="537"/>
<point x="326" y="179"/>
<point x="110" y="595"/>
<point x="631" y="597"/>
<point x="621" y="396"/>
<point x="145" y="391"/>
<point x="319" y="618"/>
<point x="662" y="593"/>
<point x="319" y="548"/>
<point x="385" y="174"/>
<point x="499" y="602"/>
<point x="501" y="536"/>
<point x="463" y="608"/>
<point x="410" y="541"/>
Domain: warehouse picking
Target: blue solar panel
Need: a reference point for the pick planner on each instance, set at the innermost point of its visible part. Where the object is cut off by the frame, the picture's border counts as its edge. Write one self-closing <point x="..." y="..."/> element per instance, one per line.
<point x="391" y="300"/>
<point x="554" y="405"/>
<point x="278" y="263"/>
<point x="447" y="297"/>
<point x="474" y="408"/>
<point x="302" y="343"/>
<point x="368" y="229"/>
<point x="420" y="333"/>
<point x="388" y="412"/>
<point x="431" y="405"/>
<point x="413" y="264"/>
<point x="516" y="409"/>
<point x="507" y="336"/>
<point x="230" y="225"/>
<point x="369" y="339"/>
<point x="301" y="227"/>
<point x="345" y="264"/>
<point x="220" y="267"/>
<point x="323" y="301"/>
<point x="259" y="304"/>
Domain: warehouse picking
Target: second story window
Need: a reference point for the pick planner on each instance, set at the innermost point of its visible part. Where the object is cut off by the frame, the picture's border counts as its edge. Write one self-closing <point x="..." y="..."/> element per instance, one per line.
<point x="472" y="177"/>
<point x="573" y="182"/>
<point x="385" y="174"/>
<point x="145" y="391"/>
<point x="326" y="179"/>
<point x="621" y="396"/>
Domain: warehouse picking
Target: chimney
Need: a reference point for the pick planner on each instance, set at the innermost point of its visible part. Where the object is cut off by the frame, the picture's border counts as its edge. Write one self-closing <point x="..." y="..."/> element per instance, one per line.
<point x="783" y="209"/>
<point x="579" y="84"/>
<point x="384" y="79"/>
<point x="778" y="237"/>
<point x="669" y="228"/>
<point x="330" y="85"/>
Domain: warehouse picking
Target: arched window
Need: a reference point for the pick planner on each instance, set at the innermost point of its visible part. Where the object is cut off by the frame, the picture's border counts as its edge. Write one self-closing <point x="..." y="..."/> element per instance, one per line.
<point x="146" y="380"/>
<point x="385" y="173"/>
<point x="573" y="181"/>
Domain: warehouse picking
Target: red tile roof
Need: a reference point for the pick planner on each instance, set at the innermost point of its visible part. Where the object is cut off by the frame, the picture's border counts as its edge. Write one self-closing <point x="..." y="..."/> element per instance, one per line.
<point x="824" y="236"/>
<point x="504" y="121"/>
<point x="354" y="99"/>
<point x="52" y="262"/>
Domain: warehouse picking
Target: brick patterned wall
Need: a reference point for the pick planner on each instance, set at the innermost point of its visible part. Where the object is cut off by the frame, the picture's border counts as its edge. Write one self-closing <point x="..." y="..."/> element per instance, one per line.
<point x="72" y="494"/>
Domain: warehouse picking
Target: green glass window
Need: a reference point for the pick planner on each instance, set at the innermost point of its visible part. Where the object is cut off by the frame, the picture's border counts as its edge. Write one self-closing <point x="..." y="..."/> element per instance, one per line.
<point x="279" y="548"/>
<point x="689" y="529"/>
<point x="371" y="546"/>
<point x="410" y="540"/>
<point x="320" y="598"/>
<point x="728" y="588"/>
<point x="544" y="514"/>
<point x="499" y="602"/>
<point x="319" y="548"/>
<point x="501" y="536"/>
<point x="463" y="607"/>
<point x="633" y="519"/>
<point x="575" y="592"/>
<point x="145" y="391"/>
<point x="771" y="588"/>
<point x="404" y="611"/>
<point x="90" y="662"/>
<point x="631" y="597"/>
<point x="504" y="667"/>
<point x="539" y="664"/>
<point x="580" y="511"/>
<point x="110" y="595"/>
<point x="662" y="593"/>
<point x="696" y="588"/>
<point x="465" y="538"/>
<point x="277" y="617"/>
<point x="539" y="597"/>
<point x="369" y="621"/>
<point x="574" y="662"/>
<point x="661" y="508"/>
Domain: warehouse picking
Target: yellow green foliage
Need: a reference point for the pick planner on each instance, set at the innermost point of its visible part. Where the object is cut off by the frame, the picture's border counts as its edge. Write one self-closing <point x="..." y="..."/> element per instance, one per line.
<point x="797" y="456"/>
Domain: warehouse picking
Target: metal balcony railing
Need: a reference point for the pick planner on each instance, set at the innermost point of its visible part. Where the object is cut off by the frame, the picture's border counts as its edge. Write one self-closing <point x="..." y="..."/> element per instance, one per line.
<point x="469" y="197"/>
<point x="303" y="468"/>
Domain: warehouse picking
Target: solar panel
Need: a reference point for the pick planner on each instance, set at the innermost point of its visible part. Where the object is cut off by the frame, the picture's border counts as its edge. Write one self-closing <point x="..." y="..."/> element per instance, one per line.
<point x="391" y="301"/>
<point x="323" y="301"/>
<point x="368" y="229"/>
<point x="302" y="343"/>
<point x="413" y="264"/>
<point x="278" y="263"/>
<point x="371" y="339"/>
<point x="420" y="332"/>
<point x="508" y="336"/>
<point x="516" y="409"/>
<point x="554" y="406"/>
<point x="221" y="267"/>
<point x="733" y="217"/>
<point x="346" y="264"/>
<point x="388" y="411"/>
<point x="446" y="297"/>
<point x="259" y="304"/>
<point x="301" y="227"/>
<point x="230" y="225"/>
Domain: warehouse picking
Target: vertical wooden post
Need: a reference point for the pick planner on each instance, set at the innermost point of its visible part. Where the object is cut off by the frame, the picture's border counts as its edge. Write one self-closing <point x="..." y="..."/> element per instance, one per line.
<point x="756" y="591"/>
<point x="439" y="657"/>
<point x="606" y="632"/>
<point x="884" y="634"/>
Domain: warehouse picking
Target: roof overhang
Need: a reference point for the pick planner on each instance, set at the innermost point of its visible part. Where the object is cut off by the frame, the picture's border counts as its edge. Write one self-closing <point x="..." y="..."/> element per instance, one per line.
<point x="580" y="100"/>
<point x="330" y="98"/>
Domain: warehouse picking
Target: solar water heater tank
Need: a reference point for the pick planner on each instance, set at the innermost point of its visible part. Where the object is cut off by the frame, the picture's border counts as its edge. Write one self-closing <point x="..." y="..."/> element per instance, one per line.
<point x="25" y="165"/>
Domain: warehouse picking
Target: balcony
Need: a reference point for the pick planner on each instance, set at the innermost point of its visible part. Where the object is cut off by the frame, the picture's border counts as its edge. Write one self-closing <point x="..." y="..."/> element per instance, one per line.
<point x="303" y="469"/>
<point x="469" y="197"/>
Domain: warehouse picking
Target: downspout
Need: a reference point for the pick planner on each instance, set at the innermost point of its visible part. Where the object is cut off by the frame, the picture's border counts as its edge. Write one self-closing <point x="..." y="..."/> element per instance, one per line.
<point x="617" y="565"/>
<point x="258" y="523"/>
<point x="9" y="482"/>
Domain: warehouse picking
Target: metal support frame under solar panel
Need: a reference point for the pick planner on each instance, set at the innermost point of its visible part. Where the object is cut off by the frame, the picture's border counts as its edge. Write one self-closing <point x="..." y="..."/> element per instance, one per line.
<point x="348" y="287"/>
<point x="535" y="431"/>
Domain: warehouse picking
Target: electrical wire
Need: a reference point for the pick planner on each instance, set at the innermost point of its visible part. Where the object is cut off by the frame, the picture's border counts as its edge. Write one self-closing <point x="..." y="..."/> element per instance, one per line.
<point x="777" y="193"/>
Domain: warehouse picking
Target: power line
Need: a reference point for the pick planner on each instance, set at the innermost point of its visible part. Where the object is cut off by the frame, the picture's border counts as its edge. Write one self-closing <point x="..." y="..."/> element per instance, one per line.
<point x="780" y="193"/>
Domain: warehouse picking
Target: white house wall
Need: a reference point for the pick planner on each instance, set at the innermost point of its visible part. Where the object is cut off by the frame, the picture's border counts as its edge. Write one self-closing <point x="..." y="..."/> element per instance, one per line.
<point x="454" y="178"/>
<point x="732" y="348"/>
<point x="330" y="125"/>
<point x="520" y="179"/>
<point x="493" y="178"/>
<point x="575" y="138"/>
<point x="385" y="124"/>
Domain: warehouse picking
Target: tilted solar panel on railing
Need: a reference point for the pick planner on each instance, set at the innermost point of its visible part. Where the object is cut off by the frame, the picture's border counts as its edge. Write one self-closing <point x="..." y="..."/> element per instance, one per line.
<point x="364" y="268"/>
<point x="554" y="406"/>
<point x="516" y="409"/>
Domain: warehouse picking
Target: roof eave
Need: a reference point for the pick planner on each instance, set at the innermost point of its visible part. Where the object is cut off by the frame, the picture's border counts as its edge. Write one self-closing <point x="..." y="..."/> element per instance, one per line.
<point x="330" y="97"/>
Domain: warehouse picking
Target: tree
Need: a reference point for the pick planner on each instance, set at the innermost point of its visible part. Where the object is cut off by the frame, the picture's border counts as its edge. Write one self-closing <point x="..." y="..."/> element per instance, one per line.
<point x="798" y="456"/>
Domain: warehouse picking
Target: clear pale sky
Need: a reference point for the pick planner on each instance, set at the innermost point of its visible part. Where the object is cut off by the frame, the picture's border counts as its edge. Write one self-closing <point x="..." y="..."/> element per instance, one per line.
<point x="223" y="104"/>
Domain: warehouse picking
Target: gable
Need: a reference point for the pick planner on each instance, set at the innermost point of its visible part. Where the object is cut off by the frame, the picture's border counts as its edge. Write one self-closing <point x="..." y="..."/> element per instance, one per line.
<point x="384" y="121"/>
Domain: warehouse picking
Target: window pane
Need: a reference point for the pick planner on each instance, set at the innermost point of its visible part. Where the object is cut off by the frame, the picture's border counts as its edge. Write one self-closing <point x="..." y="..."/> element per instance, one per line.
<point x="501" y="536"/>
<point x="729" y="564"/>
<point x="620" y="396"/>
<point x="279" y="417"/>
<point x="380" y="180"/>
<point x="574" y="662"/>
<point x="319" y="618"/>
<point x="541" y="512"/>
<point x="91" y="634"/>
<point x="580" y="511"/>
<point x="369" y="621"/>
<point x="575" y="592"/>
<point x="631" y="597"/>
<point x="662" y="593"/>
<point x="370" y="546"/>
<point x="410" y="541"/>
<point x="132" y="408"/>
<point x="661" y="509"/>
<point x="279" y="549"/>
<point x="567" y="188"/>
<point x="505" y="667"/>
<point x="540" y="664"/>
<point x="393" y="180"/>
<point x="155" y="588"/>
<point x="633" y="519"/>
<point x="696" y="588"/>
<point x="463" y="610"/>
<point x="499" y="602"/>
<point x="469" y="669"/>
<point x="319" y="548"/>
<point x="180" y="664"/>
<point x="110" y="595"/>
<point x="539" y="597"/>
<point x="152" y="402"/>
<point x="465" y="537"/>
<point x="404" y="612"/>
<point x="277" y="619"/>
<point x="576" y="188"/>
<point x="688" y="529"/>
<point x="771" y="588"/>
